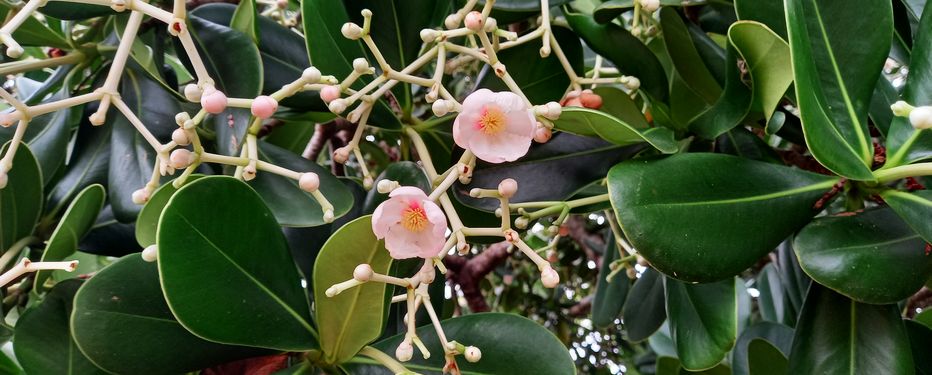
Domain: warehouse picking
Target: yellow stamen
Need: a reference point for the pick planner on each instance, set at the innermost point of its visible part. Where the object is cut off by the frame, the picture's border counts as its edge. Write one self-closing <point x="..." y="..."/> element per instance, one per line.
<point x="414" y="218"/>
<point x="492" y="120"/>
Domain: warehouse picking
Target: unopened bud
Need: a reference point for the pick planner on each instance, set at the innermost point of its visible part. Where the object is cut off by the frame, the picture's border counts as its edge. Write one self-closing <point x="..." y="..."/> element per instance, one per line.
<point x="180" y="137"/>
<point x="404" y="352"/>
<point x="309" y="182"/>
<point x="337" y="106"/>
<point x="507" y="188"/>
<point x="311" y="75"/>
<point x="141" y="196"/>
<point x="549" y="277"/>
<point x="472" y="354"/>
<point x="429" y="35"/>
<point x="351" y="31"/>
<point x="474" y="21"/>
<point x="361" y="65"/>
<point x="181" y="158"/>
<point x="192" y="93"/>
<point x="363" y="273"/>
<point x="921" y="117"/>
<point x="150" y="254"/>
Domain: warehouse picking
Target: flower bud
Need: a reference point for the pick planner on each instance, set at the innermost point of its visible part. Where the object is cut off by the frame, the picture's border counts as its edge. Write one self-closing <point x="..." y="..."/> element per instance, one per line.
<point x="511" y="236"/>
<point x="214" y="101"/>
<point x="451" y="22"/>
<point x="429" y="35"/>
<point x="311" y="75"/>
<point x="4" y="179"/>
<point x="192" y="92"/>
<point x="441" y="107"/>
<point x="180" y="137"/>
<point x="650" y="6"/>
<point x="263" y="106"/>
<point x="181" y="158"/>
<point x="507" y="188"/>
<point x="7" y="119"/>
<point x="150" y="254"/>
<point x="590" y="100"/>
<point x="337" y="106"/>
<point x="405" y="351"/>
<point x="921" y="117"/>
<point x="472" y="354"/>
<point x="631" y="273"/>
<point x="549" y="277"/>
<point x="181" y="117"/>
<point x="367" y="182"/>
<point x="490" y="24"/>
<point x="474" y="21"/>
<point x="282" y="4"/>
<point x="361" y="66"/>
<point x="633" y="83"/>
<point x="636" y="31"/>
<point x="141" y="196"/>
<point x="118" y="5"/>
<point x="386" y="186"/>
<point x="521" y="222"/>
<point x="330" y="93"/>
<point x="328" y="216"/>
<point x="901" y="108"/>
<point x="14" y="52"/>
<point x="341" y="155"/>
<point x="309" y="182"/>
<point x="97" y="118"/>
<point x="363" y="272"/>
<point x="351" y="31"/>
<point x="542" y="134"/>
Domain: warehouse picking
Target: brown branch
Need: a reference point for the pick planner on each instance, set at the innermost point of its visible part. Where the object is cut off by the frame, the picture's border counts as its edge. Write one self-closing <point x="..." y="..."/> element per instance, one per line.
<point x="468" y="273"/>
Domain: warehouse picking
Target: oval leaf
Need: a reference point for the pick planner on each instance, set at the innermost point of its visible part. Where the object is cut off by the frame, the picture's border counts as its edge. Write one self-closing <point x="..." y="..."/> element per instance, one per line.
<point x="610" y="294"/>
<point x="644" y="311"/>
<point x="778" y="335"/>
<point x="914" y="208"/>
<point x="21" y="199"/>
<point x="77" y="221"/>
<point x="906" y="144"/>
<point x="703" y="321"/>
<point x="589" y="122"/>
<point x="147" y="224"/>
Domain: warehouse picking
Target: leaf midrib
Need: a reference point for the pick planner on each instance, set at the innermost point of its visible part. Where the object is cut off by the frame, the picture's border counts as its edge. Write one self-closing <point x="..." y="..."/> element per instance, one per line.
<point x="754" y="198"/>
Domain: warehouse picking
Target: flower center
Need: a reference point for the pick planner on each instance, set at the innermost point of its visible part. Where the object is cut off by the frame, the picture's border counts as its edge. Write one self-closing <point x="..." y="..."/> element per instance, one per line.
<point x="414" y="218"/>
<point x="491" y="121"/>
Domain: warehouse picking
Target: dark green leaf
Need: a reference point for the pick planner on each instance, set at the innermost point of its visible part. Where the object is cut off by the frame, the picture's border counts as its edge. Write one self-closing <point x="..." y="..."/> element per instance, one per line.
<point x="88" y="164"/>
<point x="685" y="58"/>
<point x="767" y="12"/>
<point x="703" y="321"/>
<point x="147" y="224"/>
<point x="765" y="359"/>
<point x="77" y="221"/>
<point x="836" y="335"/>
<point x="594" y="123"/>
<point x="920" y="341"/>
<point x="644" y="311"/>
<point x="778" y="335"/>
<point x="914" y="208"/>
<point x="110" y="237"/>
<point x="217" y="241"/>
<point x="74" y="11"/>
<point x="21" y="199"/>
<point x="697" y="222"/>
<point x="47" y="134"/>
<point x="671" y="366"/>
<point x="245" y="19"/>
<point x="871" y="257"/>
<point x="610" y="294"/>
<point x="905" y="144"/>
<point x="33" y="32"/>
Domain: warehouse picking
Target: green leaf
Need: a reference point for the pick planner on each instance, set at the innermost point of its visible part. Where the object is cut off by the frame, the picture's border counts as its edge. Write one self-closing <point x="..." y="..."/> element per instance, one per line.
<point x="74" y="11"/>
<point x="770" y="303"/>
<point x="836" y="335"/>
<point x="333" y="54"/>
<point x="914" y="208"/>
<point x="685" y="57"/>
<point x="744" y="143"/>
<point x="122" y="323"/>
<point x="743" y="355"/>
<point x="353" y="318"/>
<point x="594" y="123"/>
<point x="43" y="338"/>
<point x="880" y="113"/>
<point x="33" y="32"/>
<point x="628" y="53"/>
<point x="732" y="106"/>
<point x="47" y="134"/>
<point x="89" y="164"/>
<point x="405" y="173"/>
<point x="510" y="344"/>
<point x="9" y="366"/>
<point x="697" y="222"/>
<point x="611" y="9"/>
<point x="21" y="199"/>
<point x="543" y="81"/>
<point x="610" y="294"/>
<point x="767" y="12"/>
<point x="147" y="224"/>
<point x="292" y="206"/>
<point x="766" y="359"/>
<point x="541" y="174"/>
<point x="905" y="144"/>
<point x="768" y="63"/>
<point x="77" y="221"/>
<point x="835" y="71"/>
<point x="218" y="236"/>
<point x="871" y="257"/>
<point x="244" y="19"/>
<point x="920" y="341"/>
<point x="703" y="321"/>
<point x="644" y="310"/>
<point x="671" y="366"/>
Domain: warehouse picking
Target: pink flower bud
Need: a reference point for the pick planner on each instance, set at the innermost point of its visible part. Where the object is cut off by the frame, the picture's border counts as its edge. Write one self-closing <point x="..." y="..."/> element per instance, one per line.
<point x="309" y="182"/>
<point x="549" y="277"/>
<point x="264" y="106"/>
<point x="7" y="120"/>
<point x="214" y="101"/>
<point x="363" y="273"/>
<point x="180" y="137"/>
<point x="404" y="352"/>
<point x="542" y="134"/>
<point x="474" y="21"/>
<point x="329" y="93"/>
<point x="341" y="155"/>
<point x="508" y="187"/>
<point x="150" y="254"/>
<point x="141" y="196"/>
<point x="181" y="158"/>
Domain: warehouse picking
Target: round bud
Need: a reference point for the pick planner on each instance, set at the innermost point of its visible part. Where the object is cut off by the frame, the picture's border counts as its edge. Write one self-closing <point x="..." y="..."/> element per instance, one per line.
<point x="181" y="118"/>
<point x="633" y="83"/>
<point x="181" y="158"/>
<point x="14" y="52"/>
<point x="554" y="110"/>
<point x="180" y="137"/>
<point x="141" y="196"/>
<point x="508" y="187"/>
<point x="451" y="22"/>
<point x="542" y="134"/>
<point x="97" y="118"/>
<point x="341" y="155"/>
<point x="650" y="6"/>
<point x="404" y="352"/>
<point x="429" y="35"/>
<point x="150" y="254"/>
<point x="264" y="106"/>
<point x="901" y="108"/>
<point x="440" y="107"/>
<point x="4" y="179"/>
<point x="337" y="106"/>
<point x="328" y="216"/>
<point x="553" y="230"/>
<point x="330" y="93"/>
<point x="386" y="186"/>
<point x="366" y="13"/>
<point x="474" y="21"/>
<point x="472" y="354"/>
<point x="309" y="182"/>
<point x="921" y="117"/>
<point x="311" y="75"/>
<point x="361" y="66"/>
<point x="636" y="31"/>
<point x="549" y="277"/>
<point x="363" y="272"/>
<point x="351" y="31"/>
<point x="7" y="119"/>
<point x="367" y="182"/>
<point x="192" y="92"/>
<point x="590" y="100"/>
<point x="214" y="101"/>
<point x="521" y="222"/>
<point x="249" y="173"/>
<point x="490" y="24"/>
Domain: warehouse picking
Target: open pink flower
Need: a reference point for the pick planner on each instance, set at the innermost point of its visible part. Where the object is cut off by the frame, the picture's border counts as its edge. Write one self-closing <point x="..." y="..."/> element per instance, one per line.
<point x="411" y="224"/>
<point x="496" y="126"/>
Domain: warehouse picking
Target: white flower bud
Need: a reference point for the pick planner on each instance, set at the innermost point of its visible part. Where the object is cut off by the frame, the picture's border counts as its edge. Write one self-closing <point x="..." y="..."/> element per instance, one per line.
<point x="14" y="52"/>
<point x="181" y="118"/>
<point x="921" y="117"/>
<point x="452" y="21"/>
<point x="429" y="35"/>
<point x="341" y="155"/>
<point x="328" y="216"/>
<point x="404" y="352"/>
<point x="386" y="186"/>
<point x="141" y="196"/>
<point x="650" y="6"/>
<point x="351" y="31"/>
<point x="633" y="83"/>
<point x="490" y="24"/>
<point x="472" y="354"/>
<point x="441" y="107"/>
<point x="521" y="222"/>
<point x="901" y="108"/>
<point x="309" y="182"/>
<point x="193" y="93"/>
<point x="118" y="5"/>
<point x="180" y="137"/>
<point x="311" y="75"/>
<point x="361" y="66"/>
<point x="150" y="254"/>
<point x="549" y="277"/>
<point x="181" y="158"/>
<point x="507" y="188"/>
<point x="363" y="272"/>
<point x="337" y="106"/>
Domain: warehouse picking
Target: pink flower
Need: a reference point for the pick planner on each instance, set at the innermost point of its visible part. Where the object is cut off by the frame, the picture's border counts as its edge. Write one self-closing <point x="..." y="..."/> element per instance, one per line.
<point x="496" y="126"/>
<point x="411" y="224"/>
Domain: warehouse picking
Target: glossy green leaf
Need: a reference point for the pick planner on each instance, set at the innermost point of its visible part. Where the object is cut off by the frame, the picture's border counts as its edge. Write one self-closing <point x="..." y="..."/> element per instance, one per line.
<point x="766" y="359"/>
<point x="672" y="366"/>
<point x="498" y="336"/>
<point x="333" y="54"/>
<point x="914" y="208"/>
<point x="610" y="294"/>
<point x="905" y="144"/>
<point x="628" y="53"/>
<point x="292" y="206"/>
<point x="693" y="220"/>
<point x="590" y="122"/>
<point x="245" y="19"/>
<point x="405" y="173"/>
<point x="744" y="143"/>
<point x="767" y="12"/>
<point x="836" y="335"/>
<point x="619" y="104"/>
<point x="794" y="280"/>
<point x="234" y="255"/>
<point x="353" y="318"/>
<point x="703" y="321"/>
<point x="920" y="341"/>
<point x="871" y="257"/>
<point x="880" y="113"/>
<point x="8" y="366"/>
<point x="21" y="199"/>
<point x="47" y="134"/>
<point x="89" y="164"/>
<point x="644" y="311"/>
<point x="33" y="32"/>
<point x="768" y="62"/>
<point x="541" y="174"/>
<point x="74" y="11"/>
<point x="835" y="71"/>
<point x="770" y="302"/>
<point x="131" y="157"/>
<point x="43" y="338"/>
<point x="77" y="221"/>
<point x="122" y="323"/>
<point x="686" y="58"/>
<point x="543" y="81"/>
<point x="732" y="106"/>
<point x="147" y="224"/>
<point x="611" y="9"/>
<point x="777" y="335"/>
